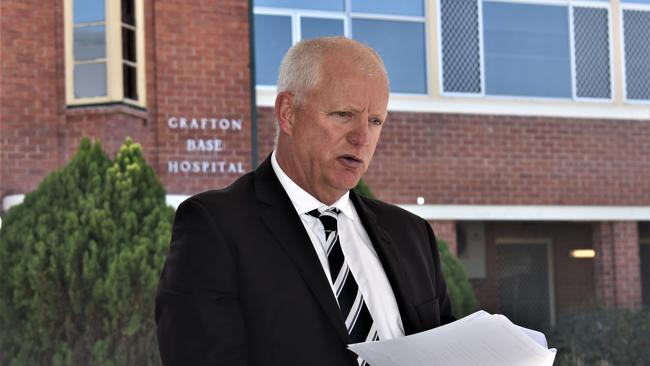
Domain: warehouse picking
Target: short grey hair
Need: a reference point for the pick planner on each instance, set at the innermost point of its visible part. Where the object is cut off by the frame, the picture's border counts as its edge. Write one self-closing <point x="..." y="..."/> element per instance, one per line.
<point x="300" y="70"/>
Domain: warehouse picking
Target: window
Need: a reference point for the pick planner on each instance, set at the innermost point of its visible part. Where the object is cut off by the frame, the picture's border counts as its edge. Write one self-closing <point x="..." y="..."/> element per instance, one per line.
<point x="636" y="33"/>
<point x="104" y="52"/>
<point x="526" y="49"/>
<point x="395" y="29"/>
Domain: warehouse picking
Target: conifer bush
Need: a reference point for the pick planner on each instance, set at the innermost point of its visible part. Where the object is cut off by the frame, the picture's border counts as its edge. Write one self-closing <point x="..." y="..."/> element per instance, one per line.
<point x="79" y="263"/>
<point x="461" y="293"/>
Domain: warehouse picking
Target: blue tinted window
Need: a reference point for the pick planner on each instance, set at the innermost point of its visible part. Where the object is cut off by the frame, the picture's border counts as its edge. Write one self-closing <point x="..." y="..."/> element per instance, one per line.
<point x="272" y="40"/>
<point x="332" y="5"/>
<point x="647" y="2"/>
<point x="90" y="80"/>
<point x="89" y="43"/>
<point x="402" y="7"/>
<point x="527" y="50"/>
<point x="319" y="27"/>
<point x="88" y="11"/>
<point x="401" y="45"/>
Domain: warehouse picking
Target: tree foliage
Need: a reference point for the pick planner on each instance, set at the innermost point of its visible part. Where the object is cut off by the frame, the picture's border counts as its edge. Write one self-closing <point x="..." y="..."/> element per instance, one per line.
<point x="463" y="299"/>
<point x="79" y="262"/>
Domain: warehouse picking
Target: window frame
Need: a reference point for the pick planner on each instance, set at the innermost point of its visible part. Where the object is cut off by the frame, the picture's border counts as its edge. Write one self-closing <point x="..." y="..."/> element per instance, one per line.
<point x="622" y="7"/>
<point x="347" y="16"/>
<point x="114" y="61"/>
<point x="570" y="5"/>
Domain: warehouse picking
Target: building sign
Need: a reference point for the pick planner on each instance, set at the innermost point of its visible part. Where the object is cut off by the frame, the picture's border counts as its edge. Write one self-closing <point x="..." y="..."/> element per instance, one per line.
<point x="211" y="146"/>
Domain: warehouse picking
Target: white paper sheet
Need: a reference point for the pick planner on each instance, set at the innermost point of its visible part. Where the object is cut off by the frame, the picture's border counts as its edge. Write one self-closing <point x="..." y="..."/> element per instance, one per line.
<point x="478" y="339"/>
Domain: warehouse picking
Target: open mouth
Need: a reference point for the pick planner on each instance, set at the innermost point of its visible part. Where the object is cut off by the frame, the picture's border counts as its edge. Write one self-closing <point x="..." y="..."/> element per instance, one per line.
<point x="350" y="161"/>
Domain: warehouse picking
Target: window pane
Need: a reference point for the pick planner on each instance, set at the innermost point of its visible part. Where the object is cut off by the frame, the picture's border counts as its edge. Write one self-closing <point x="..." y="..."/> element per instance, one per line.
<point x="90" y="80"/>
<point x="636" y="32"/>
<point x="128" y="12"/>
<point x="319" y="27"/>
<point x="129" y="77"/>
<point x="128" y="44"/>
<point x="88" y="11"/>
<point x="403" y="7"/>
<point x="461" y="60"/>
<point x="526" y="50"/>
<point x="89" y="43"/>
<point x="646" y="2"/>
<point x="401" y="45"/>
<point x="272" y="40"/>
<point x="591" y="45"/>
<point x="332" y="5"/>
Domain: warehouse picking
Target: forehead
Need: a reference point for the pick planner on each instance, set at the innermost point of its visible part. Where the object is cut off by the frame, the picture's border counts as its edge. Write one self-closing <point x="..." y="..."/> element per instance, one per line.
<point x="349" y="75"/>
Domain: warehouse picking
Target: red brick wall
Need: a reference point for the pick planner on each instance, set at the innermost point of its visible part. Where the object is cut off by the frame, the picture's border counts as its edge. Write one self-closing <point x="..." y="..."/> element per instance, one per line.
<point x="471" y="159"/>
<point x="446" y="231"/>
<point x="617" y="270"/>
<point x="201" y="58"/>
<point x="30" y="92"/>
<point x="196" y="67"/>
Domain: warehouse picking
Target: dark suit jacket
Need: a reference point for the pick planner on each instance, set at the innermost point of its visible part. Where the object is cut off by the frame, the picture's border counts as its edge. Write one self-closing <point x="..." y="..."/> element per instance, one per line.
<point x="242" y="284"/>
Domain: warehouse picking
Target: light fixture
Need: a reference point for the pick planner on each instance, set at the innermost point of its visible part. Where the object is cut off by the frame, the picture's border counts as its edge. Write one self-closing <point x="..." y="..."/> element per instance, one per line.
<point x="582" y="253"/>
<point x="420" y="200"/>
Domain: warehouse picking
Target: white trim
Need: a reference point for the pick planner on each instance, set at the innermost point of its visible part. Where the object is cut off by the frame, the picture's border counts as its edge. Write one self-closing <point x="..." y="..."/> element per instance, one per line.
<point x="11" y="200"/>
<point x="495" y="106"/>
<point x="530" y="213"/>
<point x="572" y="54"/>
<point x="397" y="18"/>
<point x="476" y="212"/>
<point x="174" y="200"/>
<point x="622" y="8"/>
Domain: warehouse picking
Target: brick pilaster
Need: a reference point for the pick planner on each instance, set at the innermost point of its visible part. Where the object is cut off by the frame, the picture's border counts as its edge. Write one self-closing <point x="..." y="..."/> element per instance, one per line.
<point x="617" y="264"/>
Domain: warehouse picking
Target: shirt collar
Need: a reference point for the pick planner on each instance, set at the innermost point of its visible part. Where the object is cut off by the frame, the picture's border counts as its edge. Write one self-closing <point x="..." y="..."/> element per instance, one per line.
<point x="304" y="202"/>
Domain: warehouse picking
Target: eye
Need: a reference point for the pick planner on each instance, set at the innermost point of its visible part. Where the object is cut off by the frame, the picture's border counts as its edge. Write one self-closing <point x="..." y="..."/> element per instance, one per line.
<point x="376" y="121"/>
<point x="343" y="114"/>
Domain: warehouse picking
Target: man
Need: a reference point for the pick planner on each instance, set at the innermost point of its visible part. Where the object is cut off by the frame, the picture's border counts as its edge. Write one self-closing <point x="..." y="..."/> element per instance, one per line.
<point x="288" y="266"/>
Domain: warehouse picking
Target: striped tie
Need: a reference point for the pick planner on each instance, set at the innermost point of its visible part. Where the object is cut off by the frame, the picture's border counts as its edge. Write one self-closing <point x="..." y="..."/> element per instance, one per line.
<point x="355" y="312"/>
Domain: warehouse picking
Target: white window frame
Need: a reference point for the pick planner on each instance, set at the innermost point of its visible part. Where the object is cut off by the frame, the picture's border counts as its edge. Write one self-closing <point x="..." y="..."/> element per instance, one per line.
<point x="347" y="16"/>
<point x="628" y="6"/>
<point x="114" y="78"/>
<point x="569" y="4"/>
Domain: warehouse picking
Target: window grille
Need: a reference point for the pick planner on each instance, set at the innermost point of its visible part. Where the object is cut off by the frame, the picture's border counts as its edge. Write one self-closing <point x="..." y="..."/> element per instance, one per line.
<point x="523" y="283"/>
<point x="636" y="31"/>
<point x="592" y="58"/>
<point x="461" y="64"/>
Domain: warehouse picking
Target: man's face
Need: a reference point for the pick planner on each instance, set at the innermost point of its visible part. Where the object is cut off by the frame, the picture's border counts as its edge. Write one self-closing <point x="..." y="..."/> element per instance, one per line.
<point x="336" y="128"/>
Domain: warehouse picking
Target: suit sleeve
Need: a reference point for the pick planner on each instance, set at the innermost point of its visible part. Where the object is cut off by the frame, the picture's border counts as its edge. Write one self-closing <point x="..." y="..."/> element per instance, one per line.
<point x="444" y="302"/>
<point x="197" y="306"/>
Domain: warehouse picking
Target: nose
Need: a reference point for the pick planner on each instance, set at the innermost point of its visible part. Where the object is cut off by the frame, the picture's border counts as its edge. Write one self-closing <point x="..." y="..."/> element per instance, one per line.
<point x="358" y="135"/>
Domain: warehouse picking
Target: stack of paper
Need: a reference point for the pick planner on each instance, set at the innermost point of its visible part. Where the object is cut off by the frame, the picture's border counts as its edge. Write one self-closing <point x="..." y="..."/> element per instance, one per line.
<point x="478" y="339"/>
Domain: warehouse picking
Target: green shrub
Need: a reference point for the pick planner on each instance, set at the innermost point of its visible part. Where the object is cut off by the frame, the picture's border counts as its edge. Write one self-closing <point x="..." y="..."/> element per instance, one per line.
<point x="602" y="337"/>
<point x="363" y="189"/>
<point x="79" y="262"/>
<point x="463" y="299"/>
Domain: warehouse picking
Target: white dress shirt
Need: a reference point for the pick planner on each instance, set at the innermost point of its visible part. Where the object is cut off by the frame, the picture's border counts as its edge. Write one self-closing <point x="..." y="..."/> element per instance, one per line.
<point x="357" y="249"/>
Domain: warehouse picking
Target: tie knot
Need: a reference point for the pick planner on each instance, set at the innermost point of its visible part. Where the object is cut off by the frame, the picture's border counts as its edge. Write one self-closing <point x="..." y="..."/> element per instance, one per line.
<point x="328" y="217"/>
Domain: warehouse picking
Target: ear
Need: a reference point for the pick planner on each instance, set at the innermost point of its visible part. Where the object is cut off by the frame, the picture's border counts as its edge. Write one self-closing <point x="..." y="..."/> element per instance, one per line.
<point x="285" y="112"/>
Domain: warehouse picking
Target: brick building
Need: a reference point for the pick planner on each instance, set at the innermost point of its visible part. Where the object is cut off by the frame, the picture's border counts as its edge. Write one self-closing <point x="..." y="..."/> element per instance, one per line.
<point x="520" y="129"/>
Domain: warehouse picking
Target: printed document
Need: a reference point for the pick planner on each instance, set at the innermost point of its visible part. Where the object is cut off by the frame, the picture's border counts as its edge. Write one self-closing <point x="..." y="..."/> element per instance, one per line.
<point x="480" y="339"/>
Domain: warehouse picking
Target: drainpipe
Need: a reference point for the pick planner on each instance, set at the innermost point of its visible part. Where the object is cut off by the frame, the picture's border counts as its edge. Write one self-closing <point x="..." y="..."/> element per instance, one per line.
<point x="253" y="101"/>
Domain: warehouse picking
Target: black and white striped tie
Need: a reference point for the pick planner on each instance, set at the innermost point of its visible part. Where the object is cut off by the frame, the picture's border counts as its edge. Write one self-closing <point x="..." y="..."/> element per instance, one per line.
<point x="355" y="312"/>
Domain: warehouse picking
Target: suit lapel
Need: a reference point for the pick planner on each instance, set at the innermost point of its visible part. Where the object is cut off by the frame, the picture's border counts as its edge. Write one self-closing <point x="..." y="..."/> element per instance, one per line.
<point x="287" y="228"/>
<point x="390" y="260"/>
